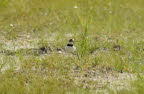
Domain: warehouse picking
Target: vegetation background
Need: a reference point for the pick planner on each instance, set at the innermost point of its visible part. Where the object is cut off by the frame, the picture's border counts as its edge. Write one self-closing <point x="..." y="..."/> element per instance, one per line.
<point x="109" y="39"/>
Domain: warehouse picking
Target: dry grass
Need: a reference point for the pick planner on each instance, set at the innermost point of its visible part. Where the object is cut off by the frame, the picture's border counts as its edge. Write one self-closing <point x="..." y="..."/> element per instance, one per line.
<point x="109" y="40"/>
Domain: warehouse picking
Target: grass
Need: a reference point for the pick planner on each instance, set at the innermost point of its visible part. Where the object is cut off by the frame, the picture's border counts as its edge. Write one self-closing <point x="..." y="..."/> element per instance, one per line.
<point x="96" y="67"/>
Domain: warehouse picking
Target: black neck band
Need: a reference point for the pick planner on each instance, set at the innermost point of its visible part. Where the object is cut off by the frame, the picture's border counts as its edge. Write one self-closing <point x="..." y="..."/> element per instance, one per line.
<point x="71" y="45"/>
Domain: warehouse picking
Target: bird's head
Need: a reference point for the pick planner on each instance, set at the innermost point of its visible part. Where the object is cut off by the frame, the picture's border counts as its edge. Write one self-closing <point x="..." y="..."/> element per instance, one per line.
<point x="71" y="40"/>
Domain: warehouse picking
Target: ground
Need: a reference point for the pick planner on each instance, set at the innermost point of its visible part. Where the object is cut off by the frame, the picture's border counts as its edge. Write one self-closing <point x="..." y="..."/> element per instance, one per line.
<point x="108" y="36"/>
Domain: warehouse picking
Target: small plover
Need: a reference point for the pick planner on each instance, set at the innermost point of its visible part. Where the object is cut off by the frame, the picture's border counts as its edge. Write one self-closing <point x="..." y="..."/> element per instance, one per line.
<point x="59" y="50"/>
<point x="117" y="47"/>
<point x="44" y="50"/>
<point x="70" y="47"/>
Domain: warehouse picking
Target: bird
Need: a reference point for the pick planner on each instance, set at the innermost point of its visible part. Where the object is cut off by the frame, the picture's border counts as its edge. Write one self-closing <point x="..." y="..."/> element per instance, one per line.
<point x="70" y="47"/>
<point x="59" y="50"/>
<point x="117" y="47"/>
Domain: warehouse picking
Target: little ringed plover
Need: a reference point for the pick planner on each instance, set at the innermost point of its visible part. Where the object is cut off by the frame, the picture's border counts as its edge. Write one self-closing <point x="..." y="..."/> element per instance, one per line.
<point x="70" y="47"/>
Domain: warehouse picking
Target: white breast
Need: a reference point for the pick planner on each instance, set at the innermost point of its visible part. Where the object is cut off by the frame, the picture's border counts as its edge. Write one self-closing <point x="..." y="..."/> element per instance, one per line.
<point x="70" y="49"/>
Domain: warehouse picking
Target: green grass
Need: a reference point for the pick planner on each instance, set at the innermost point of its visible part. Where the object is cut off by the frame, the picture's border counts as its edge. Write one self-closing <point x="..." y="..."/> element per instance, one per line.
<point x="96" y="26"/>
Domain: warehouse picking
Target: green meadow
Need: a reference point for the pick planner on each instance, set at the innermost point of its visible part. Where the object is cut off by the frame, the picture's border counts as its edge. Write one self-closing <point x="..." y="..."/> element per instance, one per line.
<point x="108" y="36"/>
